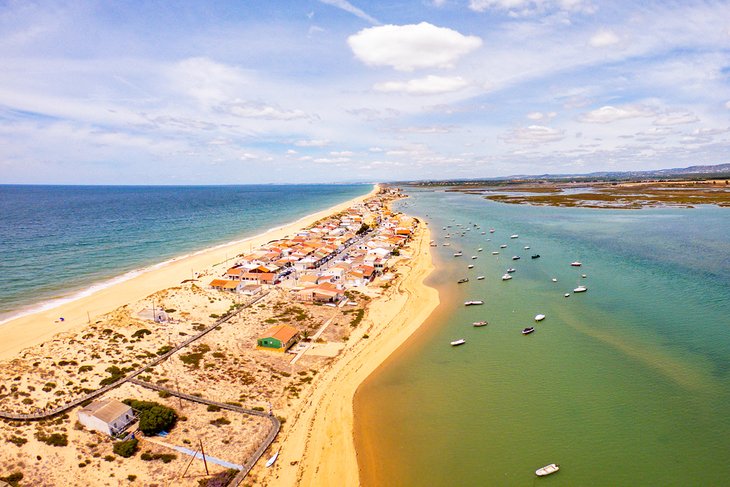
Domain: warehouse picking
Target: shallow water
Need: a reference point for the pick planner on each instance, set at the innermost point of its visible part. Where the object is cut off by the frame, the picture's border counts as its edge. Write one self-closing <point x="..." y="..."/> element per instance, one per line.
<point x="626" y="384"/>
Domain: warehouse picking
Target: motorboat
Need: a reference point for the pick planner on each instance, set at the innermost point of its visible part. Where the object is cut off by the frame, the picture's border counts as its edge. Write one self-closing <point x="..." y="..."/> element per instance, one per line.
<point x="479" y="249"/>
<point x="547" y="470"/>
<point x="576" y="264"/>
<point x="536" y="256"/>
<point x="458" y="254"/>
<point x="271" y="460"/>
<point x="554" y="279"/>
<point x="580" y="289"/>
<point x="495" y="253"/>
<point x="528" y="330"/>
<point x="473" y="256"/>
<point x="470" y="266"/>
<point x="460" y="341"/>
<point x="462" y="280"/>
<point x="567" y="295"/>
<point x="473" y="303"/>
<point x="479" y="278"/>
<point x="484" y="233"/>
<point x="503" y="246"/>
<point x="491" y="230"/>
<point x="433" y="244"/>
<point x="511" y="270"/>
<point x="539" y="317"/>
<point x="527" y="247"/>
<point x="514" y="236"/>
<point x="515" y="257"/>
<point x="506" y="277"/>
<point x="583" y="276"/>
<point x="447" y="244"/>
<point x="477" y="324"/>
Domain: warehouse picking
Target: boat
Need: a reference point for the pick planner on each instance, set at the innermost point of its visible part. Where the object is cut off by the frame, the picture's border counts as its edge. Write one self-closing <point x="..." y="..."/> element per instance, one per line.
<point x="495" y="253"/>
<point x="458" y="254"/>
<point x="460" y="341"/>
<point x="515" y="257"/>
<point x="506" y="277"/>
<point x="576" y="264"/>
<point x="539" y="317"/>
<point x="583" y="276"/>
<point x="473" y="303"/>
<point x="479" y="278"/>
<point x="473" y="256"/>
<point x="447" y="244"/>
<point x="470" y="266"/>
<point x="536" y="256"/>
<point x="462" y="280"/>
<point x="527" y="247"/>
<point x="271" y="460"/>
<point x="580" y="289"/>
<point x="567" y="295"/>
<point x="503" y="246"/>
<point x="547" y="470"/>
<point x="491" y="230"/>
<point x="528" y="330"/>
<point x="514" y="236"/>
<point x="477" y="324"/>
<point x="511" y="270"/>
<point x="479" y="249"/>
<point x="554" y="279"/>
<point x="484" y="233"/>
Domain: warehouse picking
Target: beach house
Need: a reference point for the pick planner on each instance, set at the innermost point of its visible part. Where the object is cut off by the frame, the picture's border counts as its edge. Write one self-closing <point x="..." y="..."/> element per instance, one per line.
<point x="278" y="338"/>
<point x="107" y="416"/>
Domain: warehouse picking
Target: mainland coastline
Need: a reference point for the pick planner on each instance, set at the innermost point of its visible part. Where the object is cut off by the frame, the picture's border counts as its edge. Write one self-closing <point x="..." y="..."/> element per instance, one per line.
<point x="316" y="444"/>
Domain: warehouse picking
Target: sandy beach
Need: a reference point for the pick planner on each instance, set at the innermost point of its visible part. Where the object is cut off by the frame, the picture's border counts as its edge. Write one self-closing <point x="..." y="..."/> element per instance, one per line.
<point x="317" y="448"/>
<point x="33" y="329"/>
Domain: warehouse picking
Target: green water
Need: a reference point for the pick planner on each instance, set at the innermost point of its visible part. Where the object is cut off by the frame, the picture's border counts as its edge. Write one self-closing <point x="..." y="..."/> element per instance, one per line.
<point x="626" y="384"/>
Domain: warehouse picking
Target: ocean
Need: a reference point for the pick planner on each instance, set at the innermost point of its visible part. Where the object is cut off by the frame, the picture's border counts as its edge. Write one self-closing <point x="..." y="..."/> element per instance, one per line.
<point x="60" y="242"/>
<point x="625" y="384"/>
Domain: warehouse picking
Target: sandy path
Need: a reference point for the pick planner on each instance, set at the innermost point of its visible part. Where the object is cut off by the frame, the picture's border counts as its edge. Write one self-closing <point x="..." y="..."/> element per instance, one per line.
<point x="320" y="438"/>
<point x="34" y="329"/>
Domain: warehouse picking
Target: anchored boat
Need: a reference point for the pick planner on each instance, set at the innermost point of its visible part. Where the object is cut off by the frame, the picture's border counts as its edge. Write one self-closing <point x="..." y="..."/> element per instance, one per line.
<point x="547" y="470"/>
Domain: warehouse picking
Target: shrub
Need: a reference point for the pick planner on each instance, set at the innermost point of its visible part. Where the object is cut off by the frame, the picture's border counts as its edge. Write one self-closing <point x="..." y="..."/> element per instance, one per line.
<point x="115" y="373"/>
<point x="220" y="421"/>
<point x="213" y="409"/>
<point x="141" y="333"/>
<point x="13" y="479"/>
<point x="55" y="439"/>
<point x="126" y="448"/>
<point x="164" y="349"/>
<point x="17" y="440"/>
<point x="153" y="417"/>
<point x="86" y="368"/>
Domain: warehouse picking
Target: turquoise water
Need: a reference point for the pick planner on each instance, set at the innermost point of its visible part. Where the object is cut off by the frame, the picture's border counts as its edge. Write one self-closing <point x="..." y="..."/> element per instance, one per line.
<point x="57" y="241"/>
<point x="626" y="384"/>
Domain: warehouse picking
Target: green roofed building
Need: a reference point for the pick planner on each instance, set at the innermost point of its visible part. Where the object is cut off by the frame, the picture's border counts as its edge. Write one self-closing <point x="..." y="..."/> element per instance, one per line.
<point x="278" y="338"/>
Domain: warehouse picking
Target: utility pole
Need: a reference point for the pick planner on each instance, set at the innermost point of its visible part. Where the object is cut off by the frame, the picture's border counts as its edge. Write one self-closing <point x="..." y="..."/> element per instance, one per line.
<point x="203" y="453"/>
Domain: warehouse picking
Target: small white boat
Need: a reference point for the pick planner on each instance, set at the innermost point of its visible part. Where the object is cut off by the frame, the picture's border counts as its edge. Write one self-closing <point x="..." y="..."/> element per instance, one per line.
<point x="515" y="257"/>
<point x="554" y="279"/>
<point x="511" y="270"/>
<point x="503" y="246"/>
<point x="491" y="230"/>
<point x="514" y="236"/>
<point x="506" y="277"/>
<point x="489" y="240"/>
<point x="458" y="254"/>
<point x="527" y="247"/>
<point x="473" y="303"/>
<point x="576" y="264"/>
<point x="271" y="460"/>
<point x="539" y="317"/>
<point x="580" y="289"/>
<point x="583" y="276"/>
<point x="484" y="233"/>
<point x="474" y="257"/>
<point x="479" y="278"/>
<point x="460" y="341"/>
<point x="447" y="244"/>
<point x="479" y="249"/>
<point x="470" y="266"/>
<point x="547" y="470"/>
<point x="478" y="324"/>
<point x="495" y="253"/>
<point x="567" y="295"/>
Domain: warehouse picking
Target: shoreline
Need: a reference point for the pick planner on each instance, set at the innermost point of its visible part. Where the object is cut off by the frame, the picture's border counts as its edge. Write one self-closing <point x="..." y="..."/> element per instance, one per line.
<point x="318" y="448"/>
<point x="41" y="324"/>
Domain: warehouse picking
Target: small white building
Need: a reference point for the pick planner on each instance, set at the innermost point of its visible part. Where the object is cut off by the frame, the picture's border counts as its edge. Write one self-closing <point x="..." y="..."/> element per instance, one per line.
<point x="107" y="416"/>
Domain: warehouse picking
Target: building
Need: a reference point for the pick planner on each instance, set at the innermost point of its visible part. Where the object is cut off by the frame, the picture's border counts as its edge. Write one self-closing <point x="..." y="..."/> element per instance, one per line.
<point x="107" y="416"/>
<point x="278" y="338"/>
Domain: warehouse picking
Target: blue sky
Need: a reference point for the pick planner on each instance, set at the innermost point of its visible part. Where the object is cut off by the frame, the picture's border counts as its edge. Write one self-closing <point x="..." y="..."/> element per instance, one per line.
<point x="336" y="90"/>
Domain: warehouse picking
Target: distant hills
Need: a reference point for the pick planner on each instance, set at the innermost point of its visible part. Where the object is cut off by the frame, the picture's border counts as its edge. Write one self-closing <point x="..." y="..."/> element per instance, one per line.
<point x="693" y="172"/>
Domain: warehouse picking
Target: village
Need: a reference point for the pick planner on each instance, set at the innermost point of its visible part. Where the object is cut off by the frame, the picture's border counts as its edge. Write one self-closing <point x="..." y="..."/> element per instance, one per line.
<point x="228" y="388"/>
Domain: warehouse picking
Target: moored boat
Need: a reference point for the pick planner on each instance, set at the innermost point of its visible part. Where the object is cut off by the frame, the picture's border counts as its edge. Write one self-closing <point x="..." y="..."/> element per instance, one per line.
<point x="271" y="460"/>
<point x="515" y="257"/>
<point x="547" y="470"/>
<point x="554" y="279"/>
<point x="528" y="330"/>
<point x="527" y="247"/>
<point x="473" y="302"/>
<point x="514" y="236"/>
<point x="470" y="266"/>
<point x="477" y="324"/>
<point x="479" y="278"/>
<point x="458" y="254"/>
<point x="462" y="280"/>
<point x="567" y="295"/>
<point x="539" y="317"/>
<point x="503" y="246"/>
<point x="536" y="256"/>
<point x="460" y="341"/>
<point x="511" y="270"/>
<point x="479" y="249"/>
<point x="576" y="264"/>
<point x="506" y="277"/>
<point x="491" y="230"/>
<point x="495" y="253"/>
<point x="580" y="289"/>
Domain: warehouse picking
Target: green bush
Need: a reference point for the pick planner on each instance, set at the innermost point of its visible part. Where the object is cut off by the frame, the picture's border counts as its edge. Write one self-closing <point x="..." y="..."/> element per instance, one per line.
<point x="126" y="448"/>
<point x="153" y="417"/>
<point x="13" y="479"/>
<point x="55" y="439"/>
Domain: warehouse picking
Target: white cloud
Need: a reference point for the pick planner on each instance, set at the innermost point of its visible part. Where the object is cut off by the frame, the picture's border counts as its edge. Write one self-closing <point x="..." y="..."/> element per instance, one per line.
<point x="677" y="118"/>
<point x="205" y="80"/>
<point x="312" y="143"/>
<point x="430" y="85"/>
<point x="291" y="152"/>
<point x="608" y="113"/>
<point x="249" y="109"/>
<point x="521" y="8"/>
<point x="604" y="38"/>
<point x="435" y="129"/>
<point x="413" y="46"/>
<point x="344" y="153"/>
<point x="727" y="104"/>
<point x="534" y="134"/>
<point x="541" y="116"/>
<point x="348" y="7"/>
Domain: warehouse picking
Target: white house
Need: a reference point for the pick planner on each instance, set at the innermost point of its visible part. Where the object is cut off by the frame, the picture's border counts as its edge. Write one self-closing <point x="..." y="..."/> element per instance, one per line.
<point x="107" y="416"/>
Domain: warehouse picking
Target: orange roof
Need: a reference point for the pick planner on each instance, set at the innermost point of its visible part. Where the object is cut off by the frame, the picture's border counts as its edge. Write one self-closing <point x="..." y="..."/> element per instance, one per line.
<point x="283" y="333"/>
<point x="218" y="282"/>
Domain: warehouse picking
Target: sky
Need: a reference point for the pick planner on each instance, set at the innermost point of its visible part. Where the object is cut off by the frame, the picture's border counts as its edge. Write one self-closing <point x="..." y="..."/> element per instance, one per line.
<point x="303" y="91"/>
